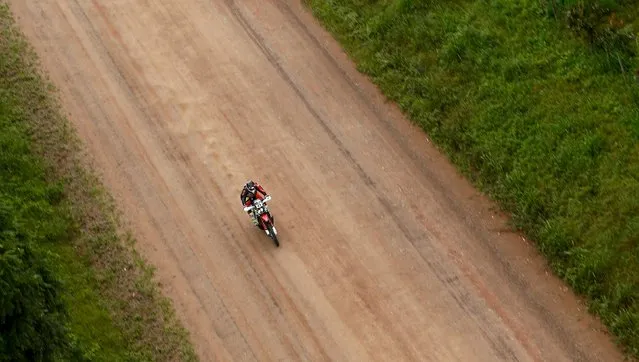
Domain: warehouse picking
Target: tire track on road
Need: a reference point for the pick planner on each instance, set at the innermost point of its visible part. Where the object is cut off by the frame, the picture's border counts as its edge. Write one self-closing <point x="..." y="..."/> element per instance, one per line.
<point x="442" y="191"/>
<point x="376" y="264"/>
<point x="439" y="271"/>
<point x="109" y="61"/>
<point x="233" y="241"/>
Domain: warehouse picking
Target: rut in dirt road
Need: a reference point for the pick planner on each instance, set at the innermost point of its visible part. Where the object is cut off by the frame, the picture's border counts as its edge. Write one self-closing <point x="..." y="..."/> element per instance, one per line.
<point x="387" y="254"/>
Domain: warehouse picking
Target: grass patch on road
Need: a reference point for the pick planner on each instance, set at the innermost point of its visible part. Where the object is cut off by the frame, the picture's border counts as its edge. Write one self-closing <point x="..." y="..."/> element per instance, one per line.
<point x="71" y="284"/>
<point x="537" y="102"/>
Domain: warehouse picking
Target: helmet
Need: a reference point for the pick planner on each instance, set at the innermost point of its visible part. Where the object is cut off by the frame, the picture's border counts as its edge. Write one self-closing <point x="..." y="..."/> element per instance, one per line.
<point x="250" y="186"/>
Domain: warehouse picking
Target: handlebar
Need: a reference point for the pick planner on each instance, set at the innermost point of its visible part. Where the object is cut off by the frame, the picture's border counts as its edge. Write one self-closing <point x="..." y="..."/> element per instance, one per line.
<point x="267" y="198"/>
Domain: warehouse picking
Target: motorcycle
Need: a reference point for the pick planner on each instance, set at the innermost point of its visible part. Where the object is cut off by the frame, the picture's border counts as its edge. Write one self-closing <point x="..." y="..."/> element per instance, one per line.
<point x="264" y="219"/>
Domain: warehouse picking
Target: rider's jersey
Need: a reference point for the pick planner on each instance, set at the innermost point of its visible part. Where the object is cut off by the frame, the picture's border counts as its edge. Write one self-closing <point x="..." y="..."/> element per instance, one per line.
<point x="247" y="199"/>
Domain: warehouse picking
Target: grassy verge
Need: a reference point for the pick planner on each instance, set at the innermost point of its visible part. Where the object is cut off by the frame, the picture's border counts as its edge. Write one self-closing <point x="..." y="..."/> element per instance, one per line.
<point x="73" y="286"/>
<point x="541" y="113"/>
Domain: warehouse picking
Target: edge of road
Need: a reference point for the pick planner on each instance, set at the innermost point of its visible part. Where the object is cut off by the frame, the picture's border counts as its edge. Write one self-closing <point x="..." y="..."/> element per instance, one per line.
<point x="488" y="219"/>
<point x="118" y="273"/>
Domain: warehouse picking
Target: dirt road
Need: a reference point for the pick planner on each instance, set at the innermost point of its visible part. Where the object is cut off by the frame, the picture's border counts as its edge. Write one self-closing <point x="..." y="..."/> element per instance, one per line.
<point x="387" y="254"/>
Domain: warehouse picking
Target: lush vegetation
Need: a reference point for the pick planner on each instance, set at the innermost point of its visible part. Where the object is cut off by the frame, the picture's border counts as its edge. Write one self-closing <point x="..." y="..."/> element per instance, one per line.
<point x="537" y="102"/>
<point x="69" y="288"/>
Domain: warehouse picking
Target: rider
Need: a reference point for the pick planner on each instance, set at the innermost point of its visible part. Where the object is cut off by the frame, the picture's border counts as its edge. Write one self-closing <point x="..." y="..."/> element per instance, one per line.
<point x="249" y="194"/>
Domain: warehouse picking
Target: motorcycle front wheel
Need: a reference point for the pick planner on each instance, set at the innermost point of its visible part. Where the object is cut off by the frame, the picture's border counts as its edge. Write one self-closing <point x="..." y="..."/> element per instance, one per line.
<point x="273" y="236"/>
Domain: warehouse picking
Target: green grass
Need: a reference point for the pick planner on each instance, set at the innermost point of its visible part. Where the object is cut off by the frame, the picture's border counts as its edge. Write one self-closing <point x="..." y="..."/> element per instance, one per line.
<point x="86" y="310"/>
<point x="541" y="117"/>
<point x="73" y="286"/>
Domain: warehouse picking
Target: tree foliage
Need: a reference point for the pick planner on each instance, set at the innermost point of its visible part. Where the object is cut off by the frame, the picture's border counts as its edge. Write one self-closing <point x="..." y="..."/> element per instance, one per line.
<point x="33" y="316"/>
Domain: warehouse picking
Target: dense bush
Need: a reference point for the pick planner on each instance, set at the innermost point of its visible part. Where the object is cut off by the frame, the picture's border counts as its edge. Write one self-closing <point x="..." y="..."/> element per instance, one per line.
<point x="543" y="118"/>
<point x="33" y="316"/>
<point x="598" y="22"/>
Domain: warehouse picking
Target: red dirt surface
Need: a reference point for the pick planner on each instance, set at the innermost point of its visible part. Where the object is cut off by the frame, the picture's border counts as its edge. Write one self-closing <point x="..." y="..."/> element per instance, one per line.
<point x="387" y="253"/>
